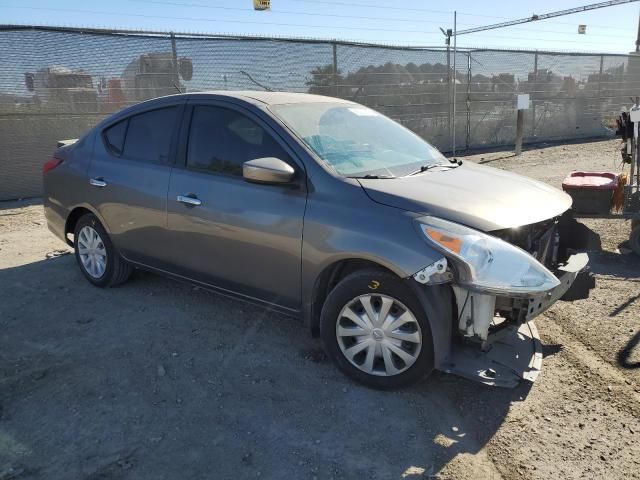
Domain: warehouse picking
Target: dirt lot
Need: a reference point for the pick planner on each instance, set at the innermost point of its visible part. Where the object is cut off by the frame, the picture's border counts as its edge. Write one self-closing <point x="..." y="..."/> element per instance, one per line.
<point x="157" y="379"/>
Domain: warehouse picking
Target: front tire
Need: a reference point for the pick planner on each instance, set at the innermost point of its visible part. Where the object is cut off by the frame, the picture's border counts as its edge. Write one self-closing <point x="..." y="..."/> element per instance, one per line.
<point x="375" y="330"/>
<point x="98" y="260"/>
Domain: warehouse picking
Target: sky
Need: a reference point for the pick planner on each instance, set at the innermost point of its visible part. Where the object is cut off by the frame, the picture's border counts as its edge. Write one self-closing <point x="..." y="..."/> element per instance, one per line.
<point x="397" y="22"/>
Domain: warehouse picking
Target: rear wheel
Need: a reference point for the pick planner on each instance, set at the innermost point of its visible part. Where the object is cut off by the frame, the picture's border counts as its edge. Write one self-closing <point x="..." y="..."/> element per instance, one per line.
<point x="376" y="331"/>
<point x="100" y="263"/>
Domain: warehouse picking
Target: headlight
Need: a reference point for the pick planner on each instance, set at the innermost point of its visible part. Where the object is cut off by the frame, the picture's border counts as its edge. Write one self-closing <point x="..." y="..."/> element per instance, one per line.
<point x="485" y="262"/>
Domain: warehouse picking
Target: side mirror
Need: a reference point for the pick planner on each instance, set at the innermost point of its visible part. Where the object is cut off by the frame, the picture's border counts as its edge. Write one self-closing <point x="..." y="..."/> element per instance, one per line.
<point x="267" y="170"/>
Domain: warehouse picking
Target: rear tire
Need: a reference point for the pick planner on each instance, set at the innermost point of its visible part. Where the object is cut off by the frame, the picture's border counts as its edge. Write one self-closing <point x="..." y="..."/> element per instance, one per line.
<point x="361" y="315"/>
<point x="97" y="258"/>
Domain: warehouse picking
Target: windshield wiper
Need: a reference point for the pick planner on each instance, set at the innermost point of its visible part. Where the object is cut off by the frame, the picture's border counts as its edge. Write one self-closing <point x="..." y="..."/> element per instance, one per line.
<point x="374" y="177"/>
<point x="425" y="168"/>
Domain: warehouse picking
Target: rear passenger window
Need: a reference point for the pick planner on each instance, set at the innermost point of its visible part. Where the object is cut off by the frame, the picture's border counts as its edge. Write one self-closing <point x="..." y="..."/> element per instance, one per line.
<point x="149" y="135"/>
<point x="115" y="136"/>
<point x="221" y="140"/>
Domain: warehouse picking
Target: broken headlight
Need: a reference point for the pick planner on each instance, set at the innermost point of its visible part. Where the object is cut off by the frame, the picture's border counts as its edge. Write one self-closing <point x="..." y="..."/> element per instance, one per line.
<point x="487" y="263"/>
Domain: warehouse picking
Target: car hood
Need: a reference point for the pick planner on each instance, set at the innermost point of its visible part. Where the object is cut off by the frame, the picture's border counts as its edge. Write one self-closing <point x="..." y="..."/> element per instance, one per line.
<point x="480" y="197"/>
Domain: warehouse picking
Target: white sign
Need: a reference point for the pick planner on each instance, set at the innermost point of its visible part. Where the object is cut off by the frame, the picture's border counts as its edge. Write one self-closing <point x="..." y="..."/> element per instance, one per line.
<point x="523" y="101"/>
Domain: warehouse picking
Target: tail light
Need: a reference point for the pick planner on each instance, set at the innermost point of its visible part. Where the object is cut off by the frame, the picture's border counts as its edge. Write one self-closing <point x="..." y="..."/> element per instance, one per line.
<point x="51" y="164"/>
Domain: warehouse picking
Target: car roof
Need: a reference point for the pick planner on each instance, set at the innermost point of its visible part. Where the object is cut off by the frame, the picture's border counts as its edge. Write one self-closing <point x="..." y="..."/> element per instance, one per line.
<point x="268" y="98"/>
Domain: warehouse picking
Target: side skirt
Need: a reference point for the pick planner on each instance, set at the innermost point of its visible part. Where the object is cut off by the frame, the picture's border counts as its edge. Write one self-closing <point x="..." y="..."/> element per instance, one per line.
<point x="220" y="291"/>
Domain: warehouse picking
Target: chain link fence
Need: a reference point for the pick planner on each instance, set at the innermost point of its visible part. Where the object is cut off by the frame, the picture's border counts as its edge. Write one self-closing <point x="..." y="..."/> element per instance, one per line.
<point x="55" y="83"/>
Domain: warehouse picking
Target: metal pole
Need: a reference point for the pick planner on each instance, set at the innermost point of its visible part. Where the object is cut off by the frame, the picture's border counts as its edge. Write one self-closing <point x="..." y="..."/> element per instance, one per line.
<point x="455" y="42"/>
<point x="532" y="93"/>
<point x="599" y="100"/>
<point x="335" y="69"/>
<point x="449" y="82"/>
<point x="174" y="59"/>
<point x="468" y="141"/>
<point x="519" y="131"/>
<point x="638" y="37"/>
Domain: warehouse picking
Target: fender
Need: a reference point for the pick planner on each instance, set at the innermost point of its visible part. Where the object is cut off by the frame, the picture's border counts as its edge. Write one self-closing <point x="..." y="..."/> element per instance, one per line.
<point x="436" y="300"/>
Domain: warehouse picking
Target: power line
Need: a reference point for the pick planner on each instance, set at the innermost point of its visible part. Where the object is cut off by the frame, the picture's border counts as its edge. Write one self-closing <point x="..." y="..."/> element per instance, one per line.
<point x="202" y="19"/>
<point x="421" y="32"/>
<point x="288" y="12"/>
<point x="335" y="15"/>
<point x="545" y="16"/>
<point x="412" y="9"/>
<point x="241" y="22"/>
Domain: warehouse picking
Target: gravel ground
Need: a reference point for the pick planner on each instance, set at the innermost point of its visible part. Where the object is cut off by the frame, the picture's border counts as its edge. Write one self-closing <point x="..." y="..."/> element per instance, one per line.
<point x="158" y="379"/>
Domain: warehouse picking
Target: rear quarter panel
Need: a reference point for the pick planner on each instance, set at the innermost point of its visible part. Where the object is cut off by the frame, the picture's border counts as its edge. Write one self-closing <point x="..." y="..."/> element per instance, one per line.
<point x="67" y="186"/>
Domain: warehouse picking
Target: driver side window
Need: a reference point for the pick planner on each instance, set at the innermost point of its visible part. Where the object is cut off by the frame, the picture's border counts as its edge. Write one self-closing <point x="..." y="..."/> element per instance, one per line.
<point x="221" y="140"/>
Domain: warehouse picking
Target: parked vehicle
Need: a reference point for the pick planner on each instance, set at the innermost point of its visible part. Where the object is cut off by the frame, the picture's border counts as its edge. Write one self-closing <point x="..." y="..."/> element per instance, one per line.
<point x="63" y="89"/>
<point x="401" y="260"/>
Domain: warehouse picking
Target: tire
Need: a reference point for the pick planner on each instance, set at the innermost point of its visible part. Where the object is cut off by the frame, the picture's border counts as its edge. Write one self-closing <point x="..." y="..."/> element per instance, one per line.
<point x="113" y="270"/>
<point x="634" y="239"/>
<point x="387" y="370"/>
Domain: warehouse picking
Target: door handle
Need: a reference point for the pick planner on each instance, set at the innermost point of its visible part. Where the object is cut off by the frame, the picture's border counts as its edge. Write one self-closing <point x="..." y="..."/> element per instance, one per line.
<point x="98" y="182"/>
<point x="189" y="200"/>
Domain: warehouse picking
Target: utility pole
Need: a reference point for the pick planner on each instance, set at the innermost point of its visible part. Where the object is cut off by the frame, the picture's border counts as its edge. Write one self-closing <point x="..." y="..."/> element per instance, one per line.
<point x="448" y="34"/>
<point x="638" y="37"/>
<point x="455" y="51"/>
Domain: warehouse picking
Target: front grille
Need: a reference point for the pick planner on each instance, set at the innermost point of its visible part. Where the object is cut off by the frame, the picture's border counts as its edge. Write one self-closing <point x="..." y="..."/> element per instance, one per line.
<point x="539" y="239"/>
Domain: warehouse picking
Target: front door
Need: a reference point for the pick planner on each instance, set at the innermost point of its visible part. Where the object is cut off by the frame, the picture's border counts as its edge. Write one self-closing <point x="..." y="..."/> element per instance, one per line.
<point x="238" y="236"/>
<point x="130" y="172"/>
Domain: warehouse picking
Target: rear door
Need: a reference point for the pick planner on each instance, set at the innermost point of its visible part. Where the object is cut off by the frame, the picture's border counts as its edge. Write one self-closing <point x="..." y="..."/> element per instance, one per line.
<point x="130" y="173"/>
<point x="241" y="236"/>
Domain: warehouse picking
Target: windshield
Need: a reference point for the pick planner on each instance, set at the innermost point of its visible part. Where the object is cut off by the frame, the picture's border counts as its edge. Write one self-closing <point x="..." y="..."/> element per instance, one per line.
<point x="356" y="141"/>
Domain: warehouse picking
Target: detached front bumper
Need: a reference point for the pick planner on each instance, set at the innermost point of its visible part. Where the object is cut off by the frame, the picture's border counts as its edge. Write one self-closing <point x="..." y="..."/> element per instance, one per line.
<point x="516" y="355"/>
<point x="501" y="352"/>
<point x="567" y="275"/>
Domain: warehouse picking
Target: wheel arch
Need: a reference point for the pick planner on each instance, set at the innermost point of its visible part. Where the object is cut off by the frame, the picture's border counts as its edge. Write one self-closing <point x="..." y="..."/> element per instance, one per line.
<point x="327" y="279"/>
<point x="436" y="300"/>
<point x="72" y="219"/>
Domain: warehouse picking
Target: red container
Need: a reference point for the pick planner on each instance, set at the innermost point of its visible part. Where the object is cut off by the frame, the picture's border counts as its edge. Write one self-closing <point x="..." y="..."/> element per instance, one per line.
<point x="591" y="191"/>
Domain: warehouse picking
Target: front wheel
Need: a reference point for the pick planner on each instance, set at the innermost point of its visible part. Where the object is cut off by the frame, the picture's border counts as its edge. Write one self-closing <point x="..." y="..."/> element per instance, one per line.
<point x="376" y="331"/>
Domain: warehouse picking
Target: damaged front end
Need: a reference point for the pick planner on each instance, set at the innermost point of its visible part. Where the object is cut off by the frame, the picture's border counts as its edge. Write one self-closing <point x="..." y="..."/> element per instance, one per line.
<point x="501" y="282"/>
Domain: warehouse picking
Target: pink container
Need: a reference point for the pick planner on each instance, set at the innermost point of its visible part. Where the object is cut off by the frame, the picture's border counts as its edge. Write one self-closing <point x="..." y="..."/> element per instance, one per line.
<point x="591" y="181"/>
<point x="591" y="191"/>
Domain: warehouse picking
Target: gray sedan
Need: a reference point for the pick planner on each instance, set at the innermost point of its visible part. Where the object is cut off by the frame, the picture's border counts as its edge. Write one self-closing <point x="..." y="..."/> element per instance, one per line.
<point x="401" y="260"/>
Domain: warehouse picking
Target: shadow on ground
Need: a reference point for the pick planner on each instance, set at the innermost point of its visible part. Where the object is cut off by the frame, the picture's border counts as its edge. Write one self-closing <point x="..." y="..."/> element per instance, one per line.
<point x="158" y="379"/>
<point x="632" y="348"/>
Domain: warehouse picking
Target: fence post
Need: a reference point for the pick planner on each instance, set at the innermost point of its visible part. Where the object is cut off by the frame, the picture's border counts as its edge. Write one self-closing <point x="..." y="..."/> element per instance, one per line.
<point x="449" y="91"/>
<point x="174" y="60"/>
<point x="335" y="69"/>
<point x="468" y="141"/>
<point x="519" y="131"/>
<point x="532" y="93"/>
<point x="455" y="55"/>
<point x="599" y="98"/>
